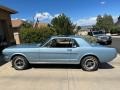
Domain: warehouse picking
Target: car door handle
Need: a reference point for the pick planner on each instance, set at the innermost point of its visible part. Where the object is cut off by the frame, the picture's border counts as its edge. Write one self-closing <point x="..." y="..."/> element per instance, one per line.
<point x="69" y="50"/>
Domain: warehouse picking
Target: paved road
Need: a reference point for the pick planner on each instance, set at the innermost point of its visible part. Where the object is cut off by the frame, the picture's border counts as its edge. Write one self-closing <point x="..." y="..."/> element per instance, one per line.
<point x="116" y="44"/>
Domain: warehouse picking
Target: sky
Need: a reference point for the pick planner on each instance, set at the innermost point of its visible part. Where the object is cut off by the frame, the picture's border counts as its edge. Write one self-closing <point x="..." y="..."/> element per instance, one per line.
<point x="81" y="12"/>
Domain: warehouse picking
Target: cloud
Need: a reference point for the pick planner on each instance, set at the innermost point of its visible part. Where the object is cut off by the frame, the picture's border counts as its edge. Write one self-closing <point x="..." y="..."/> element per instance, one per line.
<point x="102" y="2"/>
<point x="91" y="21"/>
<point x="19" y="19"/>
<point x="56" y="15"/>
<point x="86" y="21"/>
<point x="115" y="18"/>
<point x="41" y="16"/>
<point x="24" y="19"/>
<point x="15" y="18"/>
<point x="44" y="16"/>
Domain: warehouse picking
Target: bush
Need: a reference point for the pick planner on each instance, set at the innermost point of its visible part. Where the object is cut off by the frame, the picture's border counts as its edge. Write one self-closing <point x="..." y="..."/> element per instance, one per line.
<point x="39" y="35"/>
<point x="115" y="30"/>
<point x="90" y="39"/>
<point x="118" y="31"/>
<point x="36" y="35"/>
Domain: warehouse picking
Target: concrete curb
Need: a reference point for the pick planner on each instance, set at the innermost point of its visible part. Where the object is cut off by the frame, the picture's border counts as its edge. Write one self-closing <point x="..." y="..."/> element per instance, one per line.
<point x="115" y="36"/>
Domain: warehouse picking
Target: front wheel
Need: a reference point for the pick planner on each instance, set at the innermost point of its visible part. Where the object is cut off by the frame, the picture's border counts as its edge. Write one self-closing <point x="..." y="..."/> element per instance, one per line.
<point x="20" y="63"/>
<point x="89" y="63"/>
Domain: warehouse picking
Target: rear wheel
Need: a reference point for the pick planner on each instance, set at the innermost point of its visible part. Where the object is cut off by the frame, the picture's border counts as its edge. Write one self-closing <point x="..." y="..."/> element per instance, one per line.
<point x="20" y="63"/>
<point x="89" y="63"/>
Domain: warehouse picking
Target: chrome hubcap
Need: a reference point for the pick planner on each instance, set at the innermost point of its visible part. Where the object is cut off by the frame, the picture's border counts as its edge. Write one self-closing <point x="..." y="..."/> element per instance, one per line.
<point x="19" y="63"/>
<point x="90" y="63"/>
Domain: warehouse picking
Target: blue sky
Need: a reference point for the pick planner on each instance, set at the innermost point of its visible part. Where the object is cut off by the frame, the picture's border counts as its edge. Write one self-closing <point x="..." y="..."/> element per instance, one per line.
<point x="82" y="12"/>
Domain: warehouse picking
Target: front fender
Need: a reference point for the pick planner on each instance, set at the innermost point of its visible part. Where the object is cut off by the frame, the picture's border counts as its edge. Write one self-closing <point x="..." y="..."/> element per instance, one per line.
<point x="15" y="54"/>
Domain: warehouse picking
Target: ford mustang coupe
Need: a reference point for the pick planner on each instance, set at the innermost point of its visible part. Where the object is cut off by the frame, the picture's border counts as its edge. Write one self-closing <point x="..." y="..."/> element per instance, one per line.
<point x="60" y="50"/>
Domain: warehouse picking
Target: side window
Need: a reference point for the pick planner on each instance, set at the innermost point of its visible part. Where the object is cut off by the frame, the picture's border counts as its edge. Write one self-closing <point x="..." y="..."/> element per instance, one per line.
<point x="74" y="43"/>
<point x="51" y="43"/>
<point x="62" y="43"/>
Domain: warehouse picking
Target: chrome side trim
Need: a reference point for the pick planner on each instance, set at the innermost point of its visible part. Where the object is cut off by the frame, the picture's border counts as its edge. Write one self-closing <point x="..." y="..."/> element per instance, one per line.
<point x="56" y="62"/>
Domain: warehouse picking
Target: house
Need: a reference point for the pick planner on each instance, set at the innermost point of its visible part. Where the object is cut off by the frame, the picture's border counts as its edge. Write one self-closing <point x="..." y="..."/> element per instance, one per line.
<point x="83" y="31"/>
<point x="40" y="24"/>
<point x="16" y="25"/>
<point x="6" y="32"/>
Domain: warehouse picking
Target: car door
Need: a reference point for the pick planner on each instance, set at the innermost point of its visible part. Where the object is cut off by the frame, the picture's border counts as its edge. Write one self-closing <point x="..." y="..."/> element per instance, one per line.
<point x="74" y="52"/>
<point x="55" y="54"/>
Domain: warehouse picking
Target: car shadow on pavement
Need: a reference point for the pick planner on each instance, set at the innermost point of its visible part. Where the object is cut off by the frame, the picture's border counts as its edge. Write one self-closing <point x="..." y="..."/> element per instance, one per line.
<point x="68" y="66"/>
<point x="55" y="66"/>
<point x="2" y="61"/>
<point x="105" y="66"/>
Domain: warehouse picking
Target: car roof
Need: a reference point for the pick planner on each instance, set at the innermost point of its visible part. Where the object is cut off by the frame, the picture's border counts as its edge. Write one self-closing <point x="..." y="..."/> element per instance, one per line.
<point x="66" y="36"/>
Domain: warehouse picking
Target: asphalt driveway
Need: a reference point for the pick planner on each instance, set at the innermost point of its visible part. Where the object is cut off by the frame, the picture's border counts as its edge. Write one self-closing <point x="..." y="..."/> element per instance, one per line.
<point x="116" y="43"/>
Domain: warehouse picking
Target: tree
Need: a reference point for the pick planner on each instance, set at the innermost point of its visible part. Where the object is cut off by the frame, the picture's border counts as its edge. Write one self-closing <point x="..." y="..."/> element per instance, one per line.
<point x="104" y="23"/>
<point x="77" y="29"/>
<point x="27" y="24"/>
<point x="119" y="18"/>
<point x="118" y="22"/>
<point x="107" y="22"/>
<point x="116" y="28"/>
<point x="99" y="24"/>
<point x="62" y="25"/>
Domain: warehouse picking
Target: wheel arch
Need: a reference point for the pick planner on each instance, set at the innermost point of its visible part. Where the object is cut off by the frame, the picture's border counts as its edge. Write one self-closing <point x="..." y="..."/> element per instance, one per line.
<point x="18" y="54"/>
<point x="89" y="55"/>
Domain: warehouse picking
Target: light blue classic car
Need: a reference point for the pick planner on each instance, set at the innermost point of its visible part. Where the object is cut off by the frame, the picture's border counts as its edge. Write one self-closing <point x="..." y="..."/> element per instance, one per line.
<point x="60" y="50"/>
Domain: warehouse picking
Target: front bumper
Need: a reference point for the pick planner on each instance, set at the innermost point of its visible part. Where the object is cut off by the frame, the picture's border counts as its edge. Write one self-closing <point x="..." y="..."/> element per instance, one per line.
<point x="107" y="42"/>
<point x="6" y="58"/>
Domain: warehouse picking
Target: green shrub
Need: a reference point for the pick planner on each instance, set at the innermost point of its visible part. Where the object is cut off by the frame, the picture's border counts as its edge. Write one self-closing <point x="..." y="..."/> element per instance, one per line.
<point x="39" y="35"/>
<point x="118" y="31"/>
<point x="90" y="39"/>
<point x="36" y="35"/>
<point x="115" y="30"/>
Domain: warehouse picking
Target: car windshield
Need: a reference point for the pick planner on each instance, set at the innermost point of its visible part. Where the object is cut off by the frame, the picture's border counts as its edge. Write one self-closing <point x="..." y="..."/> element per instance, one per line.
<point x="42" y="43"/>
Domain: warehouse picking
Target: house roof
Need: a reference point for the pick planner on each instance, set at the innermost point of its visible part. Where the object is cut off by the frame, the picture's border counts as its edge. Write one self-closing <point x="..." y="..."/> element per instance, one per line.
<point x="17" y="23"/>
<point x="40" y="24"/>
<point x="11" y="11"/>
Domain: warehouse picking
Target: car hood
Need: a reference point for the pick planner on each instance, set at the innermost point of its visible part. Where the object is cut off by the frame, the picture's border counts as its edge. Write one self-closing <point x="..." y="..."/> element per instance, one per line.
<point x="101" y="35"/>
<point x="25" y="46"/>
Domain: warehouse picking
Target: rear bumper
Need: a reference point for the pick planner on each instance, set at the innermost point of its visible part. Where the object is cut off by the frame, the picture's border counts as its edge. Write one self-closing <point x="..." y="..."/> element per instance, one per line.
<point x="108" y="56"/>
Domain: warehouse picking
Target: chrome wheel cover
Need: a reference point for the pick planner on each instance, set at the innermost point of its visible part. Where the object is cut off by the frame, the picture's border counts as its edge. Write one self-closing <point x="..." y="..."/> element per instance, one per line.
<point x="19" y="62"/>
<point x="90" y="63"/>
